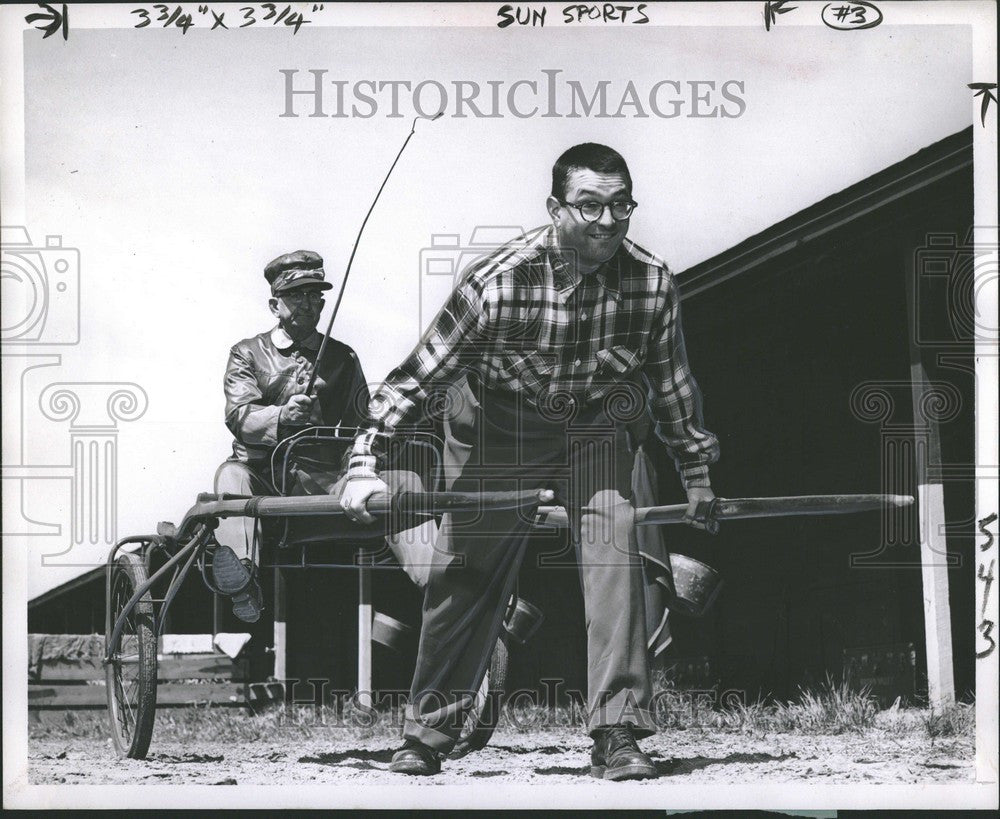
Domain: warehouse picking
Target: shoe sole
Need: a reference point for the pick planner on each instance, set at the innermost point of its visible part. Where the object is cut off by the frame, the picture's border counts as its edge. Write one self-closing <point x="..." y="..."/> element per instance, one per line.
<point x="412" y="768"/>
<point x="230" y="575"/>
<point x="233" y="579"/>
<point x="625" y="772"/>
<point x="461" y="749"/>
<point x="247" y="607"/>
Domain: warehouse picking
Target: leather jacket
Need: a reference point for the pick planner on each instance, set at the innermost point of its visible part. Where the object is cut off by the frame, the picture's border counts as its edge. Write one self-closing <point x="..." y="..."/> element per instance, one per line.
<point x="266" y="370"/>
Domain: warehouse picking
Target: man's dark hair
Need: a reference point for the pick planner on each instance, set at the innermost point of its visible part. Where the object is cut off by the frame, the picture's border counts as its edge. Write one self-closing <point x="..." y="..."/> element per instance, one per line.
<point x="590" y="156"/>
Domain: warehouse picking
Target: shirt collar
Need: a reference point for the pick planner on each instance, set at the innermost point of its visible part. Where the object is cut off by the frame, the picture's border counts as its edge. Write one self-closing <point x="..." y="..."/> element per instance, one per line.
<point x="283" y="341"/>
<point x="566" y="278"/>
<point x="610" y="276"/>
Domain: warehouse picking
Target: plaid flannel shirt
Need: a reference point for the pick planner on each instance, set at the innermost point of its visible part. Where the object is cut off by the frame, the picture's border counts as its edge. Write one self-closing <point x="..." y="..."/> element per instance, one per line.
<point x="522" y="320"/>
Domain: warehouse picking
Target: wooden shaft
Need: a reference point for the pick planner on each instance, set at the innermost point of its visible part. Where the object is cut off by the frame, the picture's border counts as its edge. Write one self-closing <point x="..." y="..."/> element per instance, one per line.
<point x="382" y="504"/>
<point x="379" y="504"/>
<point x="743" y="508"/>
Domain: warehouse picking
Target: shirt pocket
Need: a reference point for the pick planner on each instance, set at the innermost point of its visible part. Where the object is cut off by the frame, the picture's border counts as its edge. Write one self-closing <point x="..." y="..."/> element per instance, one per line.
<point x="618" y="385"/>
<point x="617" y="361"/>
<point x="529" y="370"/>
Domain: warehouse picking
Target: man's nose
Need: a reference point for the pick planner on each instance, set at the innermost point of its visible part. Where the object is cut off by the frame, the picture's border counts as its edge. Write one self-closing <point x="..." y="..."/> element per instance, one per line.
<point x="606" y="220"/>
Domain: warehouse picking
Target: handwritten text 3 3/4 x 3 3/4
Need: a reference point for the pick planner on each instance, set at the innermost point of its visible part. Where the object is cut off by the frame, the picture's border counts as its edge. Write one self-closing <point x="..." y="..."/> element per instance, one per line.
<point x="576" y="13"/>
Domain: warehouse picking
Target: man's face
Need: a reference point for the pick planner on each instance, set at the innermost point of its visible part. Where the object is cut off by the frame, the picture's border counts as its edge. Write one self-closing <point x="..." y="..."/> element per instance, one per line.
<point x="592" y="243"/>
<point x="298" y="310"/>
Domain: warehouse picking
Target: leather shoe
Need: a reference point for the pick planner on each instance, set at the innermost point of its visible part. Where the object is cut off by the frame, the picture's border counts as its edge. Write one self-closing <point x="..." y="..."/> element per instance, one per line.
<point x="616" y="756"/>
<point x="415" y="759"/>
<point x="235" y="578"/>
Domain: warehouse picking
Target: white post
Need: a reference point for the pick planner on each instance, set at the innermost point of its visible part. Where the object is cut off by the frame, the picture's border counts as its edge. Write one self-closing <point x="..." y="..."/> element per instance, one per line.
<point x="930" y="509"/>
<point x="364" y="631"/>
<point x="280" y="626"/>
<point x="937" y="611"/>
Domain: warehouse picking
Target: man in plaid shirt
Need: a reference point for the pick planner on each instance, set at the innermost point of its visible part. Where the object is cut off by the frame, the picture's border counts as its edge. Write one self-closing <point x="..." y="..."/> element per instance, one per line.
<point x="555" y="331"/>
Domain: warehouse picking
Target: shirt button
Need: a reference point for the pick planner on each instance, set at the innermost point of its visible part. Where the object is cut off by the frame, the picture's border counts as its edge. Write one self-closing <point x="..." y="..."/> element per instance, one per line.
<point x="576" y="363"/>
<point x="583" y="316"/>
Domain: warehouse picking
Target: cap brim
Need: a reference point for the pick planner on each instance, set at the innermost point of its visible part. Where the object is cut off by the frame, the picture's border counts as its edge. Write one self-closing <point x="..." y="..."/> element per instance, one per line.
<point x="292" y="285"/>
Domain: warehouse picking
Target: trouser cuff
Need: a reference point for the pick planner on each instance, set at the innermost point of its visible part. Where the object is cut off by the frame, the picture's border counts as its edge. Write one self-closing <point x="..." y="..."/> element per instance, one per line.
<point x="413" y="730"/>
<point x="622" y="710"/>
<point x="417" y="729"/>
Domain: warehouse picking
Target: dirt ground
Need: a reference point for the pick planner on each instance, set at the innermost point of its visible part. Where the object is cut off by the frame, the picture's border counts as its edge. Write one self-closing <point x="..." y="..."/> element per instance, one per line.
<point x="552" y="756"/>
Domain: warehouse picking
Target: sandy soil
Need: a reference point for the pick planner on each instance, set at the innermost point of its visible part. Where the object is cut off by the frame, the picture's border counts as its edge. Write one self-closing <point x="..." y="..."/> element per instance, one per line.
<point x="554" y="756"/>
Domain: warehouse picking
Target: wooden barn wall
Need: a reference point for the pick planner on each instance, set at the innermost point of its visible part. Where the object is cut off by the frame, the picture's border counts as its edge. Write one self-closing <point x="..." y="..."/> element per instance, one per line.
<point x="77" y="611"/>
<point x="778" y="353"/>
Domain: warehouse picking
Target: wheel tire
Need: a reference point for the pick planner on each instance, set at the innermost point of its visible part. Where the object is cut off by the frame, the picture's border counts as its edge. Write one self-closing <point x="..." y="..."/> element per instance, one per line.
<point x="484" y="715"/>
<point x="131" y="672"/>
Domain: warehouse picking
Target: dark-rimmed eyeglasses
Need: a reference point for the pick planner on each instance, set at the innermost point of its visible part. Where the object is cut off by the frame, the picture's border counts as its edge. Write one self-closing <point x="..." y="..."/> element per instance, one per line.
<point x="298" y="297"/>
<point x="591" y="211"/>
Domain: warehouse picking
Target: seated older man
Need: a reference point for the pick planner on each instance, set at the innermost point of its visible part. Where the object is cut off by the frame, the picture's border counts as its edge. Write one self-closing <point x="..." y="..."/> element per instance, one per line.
<point x="266" y="400"/>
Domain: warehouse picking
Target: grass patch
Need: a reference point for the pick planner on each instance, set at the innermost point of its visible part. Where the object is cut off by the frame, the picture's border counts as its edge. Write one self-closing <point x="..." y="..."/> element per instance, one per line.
<point x="835" y="707"/>
<point x="957" y="720"/>
<point x="223" y="724"/>
<point x="832" y="708"/>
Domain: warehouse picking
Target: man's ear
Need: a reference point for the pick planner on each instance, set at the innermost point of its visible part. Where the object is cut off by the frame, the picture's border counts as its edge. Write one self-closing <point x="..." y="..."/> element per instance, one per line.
<point x="554" y="207"/>
<point x="273" y="304"/>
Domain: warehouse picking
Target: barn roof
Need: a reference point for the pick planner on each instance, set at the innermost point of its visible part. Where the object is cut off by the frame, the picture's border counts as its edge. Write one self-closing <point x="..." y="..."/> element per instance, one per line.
<point x="91" y="576"/>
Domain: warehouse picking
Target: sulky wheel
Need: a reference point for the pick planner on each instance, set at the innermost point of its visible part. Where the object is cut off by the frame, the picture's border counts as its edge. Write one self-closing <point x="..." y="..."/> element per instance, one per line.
<point x="484" y="715"/>
<point x="131" y="672"/>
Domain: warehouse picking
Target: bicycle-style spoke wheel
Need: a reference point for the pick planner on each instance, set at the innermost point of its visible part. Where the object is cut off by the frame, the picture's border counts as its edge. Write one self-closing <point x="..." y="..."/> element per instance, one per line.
<point x="131" y="672"/>
<point x="483" y="717"/>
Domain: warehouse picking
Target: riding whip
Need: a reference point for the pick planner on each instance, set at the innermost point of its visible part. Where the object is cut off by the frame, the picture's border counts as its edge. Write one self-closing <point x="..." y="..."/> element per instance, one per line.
<point x="357" y="239"/>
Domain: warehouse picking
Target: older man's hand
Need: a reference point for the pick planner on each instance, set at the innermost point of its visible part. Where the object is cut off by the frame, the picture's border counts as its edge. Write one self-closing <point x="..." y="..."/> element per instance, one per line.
<point x="697" y="495"/>
<point x="297" y="410"/>
<point x="355" y="496"/>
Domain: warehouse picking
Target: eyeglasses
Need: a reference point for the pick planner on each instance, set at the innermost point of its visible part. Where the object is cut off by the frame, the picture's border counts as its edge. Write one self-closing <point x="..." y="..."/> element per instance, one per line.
<point x="298" y="297"/>
<point x="593" y="211"/>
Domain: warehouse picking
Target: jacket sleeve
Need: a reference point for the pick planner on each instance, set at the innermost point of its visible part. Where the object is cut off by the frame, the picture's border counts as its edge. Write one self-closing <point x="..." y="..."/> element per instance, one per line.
<point x="358" y="395"/>
<point x="454" y="340"/>
<point x="675" y="400"/>
<point x="248" y="417"/>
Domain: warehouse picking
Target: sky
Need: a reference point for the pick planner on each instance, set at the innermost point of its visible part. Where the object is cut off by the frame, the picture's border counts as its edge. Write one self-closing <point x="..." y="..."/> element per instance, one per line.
<point x="164" y="159"/>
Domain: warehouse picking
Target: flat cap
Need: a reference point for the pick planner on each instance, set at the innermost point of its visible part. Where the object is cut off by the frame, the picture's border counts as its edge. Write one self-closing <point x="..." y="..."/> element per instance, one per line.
<point x="296" y="270"/>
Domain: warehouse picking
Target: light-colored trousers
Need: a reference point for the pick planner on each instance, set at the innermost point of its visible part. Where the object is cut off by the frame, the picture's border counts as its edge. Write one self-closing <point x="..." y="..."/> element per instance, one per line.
<point x="477" y="558"/>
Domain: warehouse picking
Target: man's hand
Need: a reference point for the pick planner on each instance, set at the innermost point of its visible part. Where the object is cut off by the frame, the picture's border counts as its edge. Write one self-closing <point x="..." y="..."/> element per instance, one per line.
<point x="297" y="411"/>
<point x="696" y="495"/>
<point x="355" y="497"/>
